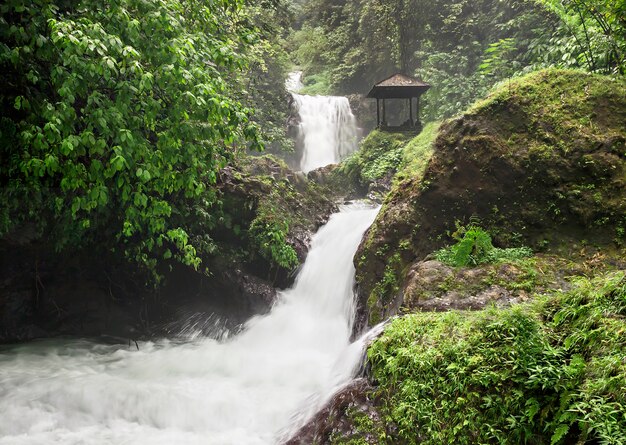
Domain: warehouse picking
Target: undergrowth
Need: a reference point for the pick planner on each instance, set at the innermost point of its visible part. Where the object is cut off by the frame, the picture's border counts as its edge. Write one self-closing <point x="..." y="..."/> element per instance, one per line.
<point x="553" y="371"/>
<point x="380" y="154"/>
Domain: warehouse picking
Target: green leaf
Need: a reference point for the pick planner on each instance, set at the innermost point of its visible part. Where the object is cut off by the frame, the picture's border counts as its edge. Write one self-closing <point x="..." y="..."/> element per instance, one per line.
<point x="559" y="433"/>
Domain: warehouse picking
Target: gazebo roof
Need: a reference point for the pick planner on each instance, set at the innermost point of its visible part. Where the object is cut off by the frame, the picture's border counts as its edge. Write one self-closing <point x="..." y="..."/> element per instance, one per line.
<point x="398" y="86"/>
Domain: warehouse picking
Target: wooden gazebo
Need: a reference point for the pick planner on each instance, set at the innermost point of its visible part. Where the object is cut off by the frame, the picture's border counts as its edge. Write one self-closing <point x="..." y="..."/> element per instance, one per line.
<point x="398" y="86"/>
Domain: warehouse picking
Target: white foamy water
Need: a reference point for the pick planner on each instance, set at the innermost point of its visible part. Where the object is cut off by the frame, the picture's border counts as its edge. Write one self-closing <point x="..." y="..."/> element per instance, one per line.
<point x="294" y="81"/>
<point x="249" y="389"/>
<point x="328" y="130"/>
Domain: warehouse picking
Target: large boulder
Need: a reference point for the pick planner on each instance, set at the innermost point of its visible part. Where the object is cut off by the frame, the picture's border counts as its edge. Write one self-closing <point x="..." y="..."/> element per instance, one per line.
<point x="540" y="162"/>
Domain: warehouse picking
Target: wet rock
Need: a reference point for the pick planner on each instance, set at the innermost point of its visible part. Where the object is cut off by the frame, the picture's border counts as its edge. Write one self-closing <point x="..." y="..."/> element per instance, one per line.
<point x="343" y="417"/>
<point x="338" y="184"/>
<point x="433" y="286"/>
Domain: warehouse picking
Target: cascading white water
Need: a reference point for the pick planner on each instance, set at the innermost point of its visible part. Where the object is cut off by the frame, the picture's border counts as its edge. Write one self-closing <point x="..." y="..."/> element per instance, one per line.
<point x="327" y="131"/>
<point x="243" y="390"/>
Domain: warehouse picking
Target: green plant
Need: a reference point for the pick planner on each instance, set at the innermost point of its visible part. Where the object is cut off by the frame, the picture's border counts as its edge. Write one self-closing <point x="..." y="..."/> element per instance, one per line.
<point x="270" y="238"/>
<point x="474" y="247"/>
<point x="499" y="59"/>
<point x="117" y="118"/>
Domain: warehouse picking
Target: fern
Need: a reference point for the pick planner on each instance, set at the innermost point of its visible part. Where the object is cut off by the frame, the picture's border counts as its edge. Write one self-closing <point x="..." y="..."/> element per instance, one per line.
<point x="475" y="247"/>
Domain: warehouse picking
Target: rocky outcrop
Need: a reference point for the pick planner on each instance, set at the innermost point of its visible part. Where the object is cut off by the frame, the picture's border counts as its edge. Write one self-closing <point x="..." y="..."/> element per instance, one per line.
<point x="45" y="293"/>
<point x="540" y="162"/>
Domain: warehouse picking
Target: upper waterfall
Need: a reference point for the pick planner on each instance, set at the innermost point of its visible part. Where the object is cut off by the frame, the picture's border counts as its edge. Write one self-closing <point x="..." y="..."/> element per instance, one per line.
<point x="327" y="131"/>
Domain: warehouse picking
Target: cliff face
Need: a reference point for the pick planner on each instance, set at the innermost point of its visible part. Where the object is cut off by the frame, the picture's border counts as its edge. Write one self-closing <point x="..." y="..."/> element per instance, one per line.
<point x="540" y="162"/>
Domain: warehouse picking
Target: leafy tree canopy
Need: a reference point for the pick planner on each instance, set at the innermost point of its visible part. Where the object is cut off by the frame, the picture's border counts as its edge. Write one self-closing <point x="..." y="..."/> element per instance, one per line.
<point x="461" y="47"/>
<point x="117" y="116"/>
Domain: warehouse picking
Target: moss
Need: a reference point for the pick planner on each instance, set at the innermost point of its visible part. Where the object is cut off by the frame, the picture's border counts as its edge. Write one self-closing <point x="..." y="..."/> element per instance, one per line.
<point x="386" y="289"/>
<point x="365" y="429"/>
<point x="384" y="154"/>
<point x="379" y="155"/>
<point x="268" y="212"/>
<point x="417" y="153"/>
<point x="539" y="162"/>
<point x="549" y="371"/>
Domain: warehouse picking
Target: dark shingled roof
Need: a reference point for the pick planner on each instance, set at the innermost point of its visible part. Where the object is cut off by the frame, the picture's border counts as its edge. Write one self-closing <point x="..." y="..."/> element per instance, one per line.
<point x="398" y="86"/>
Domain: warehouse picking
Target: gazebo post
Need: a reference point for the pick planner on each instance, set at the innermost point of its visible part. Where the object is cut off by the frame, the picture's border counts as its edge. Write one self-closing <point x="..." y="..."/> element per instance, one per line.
<point x="384" y="113"/>
<point x="411" y="110"/>
<point x="377" y="112"/>
<point x="417" y="110"/>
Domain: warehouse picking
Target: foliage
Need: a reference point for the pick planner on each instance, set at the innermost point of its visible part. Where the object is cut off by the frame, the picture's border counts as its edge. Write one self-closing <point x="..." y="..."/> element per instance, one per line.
<point x="548" y="372"/>
<point x="461" y="47"/>
<point x="316" y="85"/>
<point x="496" y="63"/>
<point x="117" y="116"/>
<point x="384" y="154"/>
<point x="270" y="238"/>
<point x="598" y="30"/>
<point x="474" y="247"/>
<point x="264" y="80"/>
<point x="379" y="155"/>
<point x="445" y="42"/>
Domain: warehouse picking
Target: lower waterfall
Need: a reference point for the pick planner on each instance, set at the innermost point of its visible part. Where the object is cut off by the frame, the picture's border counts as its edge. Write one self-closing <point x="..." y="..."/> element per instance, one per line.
<point x="247" y="389"/>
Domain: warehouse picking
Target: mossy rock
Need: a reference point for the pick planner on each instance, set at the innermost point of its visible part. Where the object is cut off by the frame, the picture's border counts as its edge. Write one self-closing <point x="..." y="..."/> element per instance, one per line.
<point x="385" y="158"/>
<point x="260" y="193"/>
<point x="540" y="162"/>
<point x="550" y="371"/>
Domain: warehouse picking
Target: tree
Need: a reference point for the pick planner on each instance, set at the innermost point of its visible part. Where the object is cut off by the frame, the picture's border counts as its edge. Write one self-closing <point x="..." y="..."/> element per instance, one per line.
<point x="599" y="30"/>
<point x="117" y="116"/>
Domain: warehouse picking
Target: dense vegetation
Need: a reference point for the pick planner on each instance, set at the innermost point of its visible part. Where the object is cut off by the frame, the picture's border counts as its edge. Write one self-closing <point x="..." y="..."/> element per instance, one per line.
<point x="383" y="156"/>
<point x="461" y="47"/>
<point x="548" y="372"/>
<point x="117" y="118"/>
<point x="130" y="127"/>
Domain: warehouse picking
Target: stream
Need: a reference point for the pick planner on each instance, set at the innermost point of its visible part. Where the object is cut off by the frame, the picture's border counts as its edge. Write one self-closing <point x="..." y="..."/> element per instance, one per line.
<point x="255" y="387"/>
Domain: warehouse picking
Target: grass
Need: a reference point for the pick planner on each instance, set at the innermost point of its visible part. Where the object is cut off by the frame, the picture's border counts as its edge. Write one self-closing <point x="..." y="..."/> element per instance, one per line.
<point x="552" y="371"/>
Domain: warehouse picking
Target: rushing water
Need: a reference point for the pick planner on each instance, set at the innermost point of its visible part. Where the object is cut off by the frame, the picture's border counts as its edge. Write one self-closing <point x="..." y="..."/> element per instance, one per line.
<point x="244" y="390"/>
<point x="327" y="131"/>
<point x="251" y="388"/>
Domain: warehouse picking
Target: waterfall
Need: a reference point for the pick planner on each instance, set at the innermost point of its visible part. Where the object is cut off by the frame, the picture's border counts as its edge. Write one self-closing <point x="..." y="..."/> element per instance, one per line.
<point x="241" y="390"/>
<point x="327" y="131"/>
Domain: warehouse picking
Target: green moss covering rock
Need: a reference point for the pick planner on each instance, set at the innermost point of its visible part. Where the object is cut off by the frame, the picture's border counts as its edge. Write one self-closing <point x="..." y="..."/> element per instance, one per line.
<point x="541" y="162"/>
<point x="434" y="286"/>
<point x="385" y="156"/>
<point x="270" y="215"/>
<point x="549" y="372"/>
